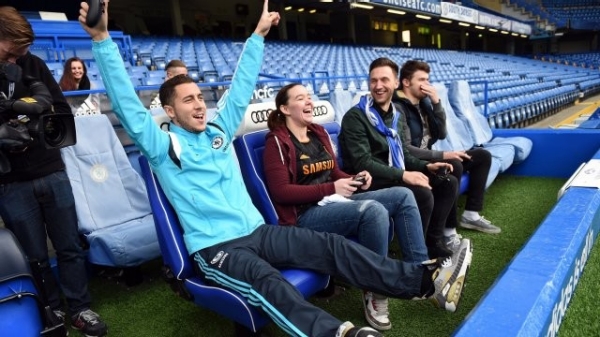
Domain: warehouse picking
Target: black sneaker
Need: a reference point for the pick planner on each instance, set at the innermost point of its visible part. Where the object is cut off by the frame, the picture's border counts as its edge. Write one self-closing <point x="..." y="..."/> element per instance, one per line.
<point x="60" y="315"/>
<point x="363" y="332"/>
<point x="89" y="323"/>
<point x="439" y="250"/>
<point x="348" y="329"/>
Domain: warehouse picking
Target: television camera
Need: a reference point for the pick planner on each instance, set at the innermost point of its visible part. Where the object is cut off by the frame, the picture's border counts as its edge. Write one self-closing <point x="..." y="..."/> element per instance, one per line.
<point x="29" y="119"/>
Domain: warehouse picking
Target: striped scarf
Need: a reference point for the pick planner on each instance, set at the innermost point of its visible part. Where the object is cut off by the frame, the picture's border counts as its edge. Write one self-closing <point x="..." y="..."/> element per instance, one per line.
<point x="396" y="156"/>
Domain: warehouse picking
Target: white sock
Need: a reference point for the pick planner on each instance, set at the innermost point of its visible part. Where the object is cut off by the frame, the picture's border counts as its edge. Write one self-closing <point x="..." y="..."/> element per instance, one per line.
<point x="449" y="231"/>
<point x="471" y="215"/>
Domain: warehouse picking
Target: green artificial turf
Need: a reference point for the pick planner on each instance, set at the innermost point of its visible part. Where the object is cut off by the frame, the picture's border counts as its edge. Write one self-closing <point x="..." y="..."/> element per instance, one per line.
<point x="581" y="318"/>
<point x="516" y="204"/>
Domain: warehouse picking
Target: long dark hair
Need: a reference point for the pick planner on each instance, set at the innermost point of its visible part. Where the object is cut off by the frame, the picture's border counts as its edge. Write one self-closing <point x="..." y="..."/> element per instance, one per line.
<point x="276" y="117"/>
<point x="67" y="81"/>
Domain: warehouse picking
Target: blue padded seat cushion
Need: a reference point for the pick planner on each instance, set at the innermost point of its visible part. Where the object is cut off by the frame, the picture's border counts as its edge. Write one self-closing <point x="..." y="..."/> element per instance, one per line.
<point x="459" y="95"/>
<point x="459" y="138"/>
<point x="110" y="196"/>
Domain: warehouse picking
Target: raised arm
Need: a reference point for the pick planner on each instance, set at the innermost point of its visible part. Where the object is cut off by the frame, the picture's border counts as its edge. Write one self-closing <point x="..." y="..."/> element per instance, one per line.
<point x="233" y="105"/>
<point x="129" y="109"/>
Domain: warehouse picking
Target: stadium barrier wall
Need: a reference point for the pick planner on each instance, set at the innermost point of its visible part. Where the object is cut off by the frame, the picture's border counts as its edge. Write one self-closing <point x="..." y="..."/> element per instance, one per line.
<point x="556" y="153"/>
<point x="532" y="294"/>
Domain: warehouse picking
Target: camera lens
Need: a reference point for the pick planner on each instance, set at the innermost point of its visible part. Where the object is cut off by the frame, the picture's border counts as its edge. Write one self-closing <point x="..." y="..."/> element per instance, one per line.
<point x="54" y="131"/>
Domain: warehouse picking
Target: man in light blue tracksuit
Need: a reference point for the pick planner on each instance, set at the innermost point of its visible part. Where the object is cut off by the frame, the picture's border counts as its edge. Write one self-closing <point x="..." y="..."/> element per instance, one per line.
<point x="223" y="230"/>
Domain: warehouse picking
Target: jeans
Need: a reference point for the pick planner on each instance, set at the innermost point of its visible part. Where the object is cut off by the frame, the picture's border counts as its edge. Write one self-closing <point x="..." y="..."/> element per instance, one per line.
<point x="248" y="265"/>
<point x="479" y="168"/>
<point x="45" y="206"/>
<point x="368" y="218"/>
<point x="435" y="205"/>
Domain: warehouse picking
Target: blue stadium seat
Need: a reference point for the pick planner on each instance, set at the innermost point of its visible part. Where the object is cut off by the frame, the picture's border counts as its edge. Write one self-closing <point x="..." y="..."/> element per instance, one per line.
<point x="479" y="128"/>
<point x="458" y="138"/>
<point x="152" y="81"/>
<point x="20" y="302"/>
<point x="103" y="179"/>
<point x="189" y="284"/>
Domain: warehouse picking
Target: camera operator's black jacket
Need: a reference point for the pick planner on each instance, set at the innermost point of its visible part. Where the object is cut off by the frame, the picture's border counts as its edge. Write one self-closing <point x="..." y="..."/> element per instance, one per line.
<point x="36" y="161"/>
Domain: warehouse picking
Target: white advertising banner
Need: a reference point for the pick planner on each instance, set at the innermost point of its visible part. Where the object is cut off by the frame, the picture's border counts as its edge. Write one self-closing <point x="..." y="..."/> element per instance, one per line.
<point x="459" y="13"/>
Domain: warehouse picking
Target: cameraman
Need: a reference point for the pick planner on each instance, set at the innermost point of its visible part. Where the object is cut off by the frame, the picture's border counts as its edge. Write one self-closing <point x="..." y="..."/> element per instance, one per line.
<point x="36" y="196"/>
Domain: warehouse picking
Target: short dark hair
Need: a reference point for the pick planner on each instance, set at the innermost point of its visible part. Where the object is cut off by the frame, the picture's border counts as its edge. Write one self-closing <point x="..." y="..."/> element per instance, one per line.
<point x="276" y="117"/>
<point x="175" y="64"/>
<point x="166" y="93"/>
<point x="409" y="68"/>
<point x="384" y="62"/>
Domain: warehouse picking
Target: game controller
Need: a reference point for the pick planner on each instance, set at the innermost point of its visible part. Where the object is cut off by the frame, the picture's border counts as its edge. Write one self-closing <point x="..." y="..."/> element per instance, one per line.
<point x="95" y="10"/>
<point x="361" y="179"/>
<point x="442" y="173"/>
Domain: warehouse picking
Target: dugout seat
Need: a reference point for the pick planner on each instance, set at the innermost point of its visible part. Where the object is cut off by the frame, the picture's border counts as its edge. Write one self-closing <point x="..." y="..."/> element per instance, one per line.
<point x="250" y="144"/>
<point x="188" y="283"/>
<point x="459" y="139"/>
<point x="459" y="95"/>
<point x="22" y="307"/>
<point x="113" y="212"/>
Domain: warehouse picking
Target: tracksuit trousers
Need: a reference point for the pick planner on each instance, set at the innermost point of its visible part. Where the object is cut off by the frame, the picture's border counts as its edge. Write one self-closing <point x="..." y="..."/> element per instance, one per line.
<point x="250" y="265"/>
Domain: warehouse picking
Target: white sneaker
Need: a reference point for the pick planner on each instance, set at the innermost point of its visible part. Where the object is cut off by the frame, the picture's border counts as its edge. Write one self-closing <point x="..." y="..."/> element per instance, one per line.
<point x="453" y="242"/>
<point x="482" y="224"/>
<point x="376" y="311"/>
<point x="449" y="278"/>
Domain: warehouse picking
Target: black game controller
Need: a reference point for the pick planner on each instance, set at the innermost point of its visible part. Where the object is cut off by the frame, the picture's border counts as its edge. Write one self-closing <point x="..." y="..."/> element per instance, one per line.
<point x="442" y="173"/>
<point x="361" y="179"/>
<point x="95" y="10"/>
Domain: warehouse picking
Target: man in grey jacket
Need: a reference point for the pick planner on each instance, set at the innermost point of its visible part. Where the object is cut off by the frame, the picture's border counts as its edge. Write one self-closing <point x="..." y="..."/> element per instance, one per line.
<point x="425" y="122"/>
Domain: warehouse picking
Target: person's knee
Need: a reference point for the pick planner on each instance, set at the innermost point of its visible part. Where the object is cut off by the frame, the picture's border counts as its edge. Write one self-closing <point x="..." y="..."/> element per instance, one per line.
<point x="374" y="214"/>
<point x="447" y="189"/>
<point x="457" y="168"/>
<point x="424" y="198"/>
<point x="483" y="156"/>
<point x="402" y="196"/>
<point x="453" y="183"/>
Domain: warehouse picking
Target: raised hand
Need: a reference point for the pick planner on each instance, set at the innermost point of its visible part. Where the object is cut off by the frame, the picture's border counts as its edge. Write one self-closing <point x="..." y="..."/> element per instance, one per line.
<point x="99" y="31"/>
<point x="430" y="91"/>
<point x="267" y="20"/>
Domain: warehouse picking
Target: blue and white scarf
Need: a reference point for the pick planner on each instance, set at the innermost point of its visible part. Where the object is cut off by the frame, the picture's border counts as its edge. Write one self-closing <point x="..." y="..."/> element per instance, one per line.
<point x="396" y="156"/>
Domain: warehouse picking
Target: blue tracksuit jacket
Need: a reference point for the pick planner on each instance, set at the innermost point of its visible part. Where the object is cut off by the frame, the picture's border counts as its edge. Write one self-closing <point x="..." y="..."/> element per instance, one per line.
<point x="208" y="192"/>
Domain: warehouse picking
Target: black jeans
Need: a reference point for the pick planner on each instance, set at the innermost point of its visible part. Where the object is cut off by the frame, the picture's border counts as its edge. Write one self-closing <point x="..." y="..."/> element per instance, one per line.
<point x="248" y="265"/>
<point x="435" y="205"/>
<point x="30" y="209"/>
<point x="478" y="168"/>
